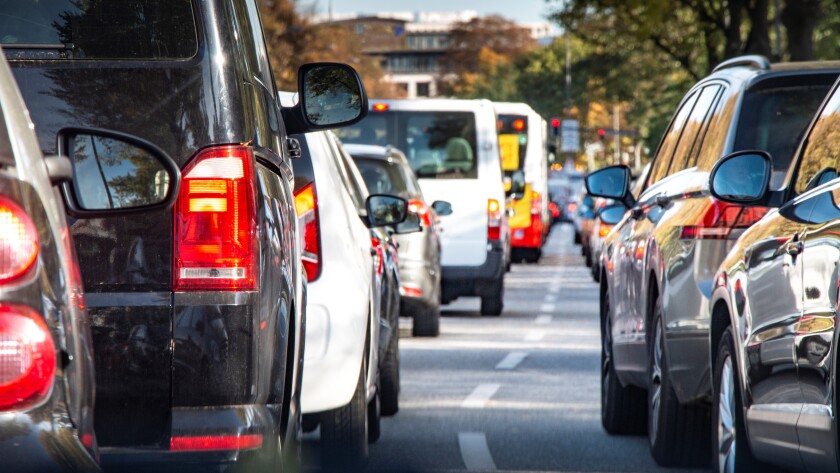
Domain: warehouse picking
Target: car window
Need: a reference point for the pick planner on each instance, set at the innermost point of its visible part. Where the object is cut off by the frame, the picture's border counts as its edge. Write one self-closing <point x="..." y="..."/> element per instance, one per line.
<point x="692" y="129"/>
<point x="714" y="140"/>
<point x="302" y="166"/>
<point x="822" y="150"/>
<point x="100" y="29"/>
<point x="775" y="119"/>
<point x="382" y="177"/>
<point x="669" y="141"/>
<point x="357" y="193"/>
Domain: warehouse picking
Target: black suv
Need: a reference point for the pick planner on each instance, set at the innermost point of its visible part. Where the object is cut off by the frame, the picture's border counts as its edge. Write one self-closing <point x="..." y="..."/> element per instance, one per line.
<point x="197" y="311"/>
<point x="658" y="264"/>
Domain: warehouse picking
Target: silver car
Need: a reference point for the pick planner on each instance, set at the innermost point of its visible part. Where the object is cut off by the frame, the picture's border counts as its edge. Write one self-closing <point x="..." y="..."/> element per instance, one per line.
<point x="387" y="171"/>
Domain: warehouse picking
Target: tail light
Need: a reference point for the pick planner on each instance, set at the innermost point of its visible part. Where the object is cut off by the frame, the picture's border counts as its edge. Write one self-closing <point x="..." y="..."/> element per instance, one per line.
<point x="411" y="291"/>
<point x="571" y="207"/>
<point x="379" y="257"/>
<point x="422" y="210"/>
<point x="27" y="357"/>
<point x="215" y="222"/>
<point x="306" y="205"/>
<point x="720" y="219"/>
<point x="18" y="241"/>
<point x="494" y="220"/>
<point x="536" y="203"/>
<point x="380" y="107"/>
<point x="604" y="230"/>
<point x="216" y="442"/>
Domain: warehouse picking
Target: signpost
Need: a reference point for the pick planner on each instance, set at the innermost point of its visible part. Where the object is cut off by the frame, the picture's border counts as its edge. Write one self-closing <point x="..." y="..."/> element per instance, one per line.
<point x="570" y="137"/>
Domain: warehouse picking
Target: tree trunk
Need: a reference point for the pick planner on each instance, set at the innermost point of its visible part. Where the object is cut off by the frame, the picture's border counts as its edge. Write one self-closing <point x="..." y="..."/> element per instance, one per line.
<point x="732" y="29"/>
<point x="800" y="18"/>
<point x="758" y="41"/>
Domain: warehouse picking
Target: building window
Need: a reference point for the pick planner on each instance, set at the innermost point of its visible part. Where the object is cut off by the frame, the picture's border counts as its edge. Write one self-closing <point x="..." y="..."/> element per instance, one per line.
<point x="422" y="89"/>
<point x="402" y="86"/>
<point x="360" y="28"/>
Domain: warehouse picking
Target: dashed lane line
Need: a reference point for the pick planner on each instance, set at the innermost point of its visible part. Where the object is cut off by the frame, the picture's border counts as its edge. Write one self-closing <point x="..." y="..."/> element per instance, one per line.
<point x="547" y="308"/>
<point x="474" y="451"/>
<point x="534" y="336"/>
<point x="480" y="396"/>
<point x="543" y="319"/>
<point x="512" y="360"/>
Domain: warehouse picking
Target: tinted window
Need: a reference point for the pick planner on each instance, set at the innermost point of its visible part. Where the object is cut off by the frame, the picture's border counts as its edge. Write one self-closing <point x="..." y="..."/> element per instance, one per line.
<point x="774" y="120"/>
<point x="439" y="145"/>
<point x="693" y="130"/>
<point x="822" y="151"/>
<point x="513" y="141"/>
<point x="101" y="29"/>
<point x="382" y="177"/>
<point x="302" y="166"/>
<point x="669" y="141"/>
<point x="714" y="139"/>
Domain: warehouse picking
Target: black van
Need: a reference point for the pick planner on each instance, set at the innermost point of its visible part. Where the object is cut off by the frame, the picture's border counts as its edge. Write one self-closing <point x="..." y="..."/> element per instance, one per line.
<point x="196" y="311"/>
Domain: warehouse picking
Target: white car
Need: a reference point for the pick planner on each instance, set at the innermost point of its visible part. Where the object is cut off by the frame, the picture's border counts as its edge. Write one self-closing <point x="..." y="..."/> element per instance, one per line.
<point x="453" y="148"/>
<point x="341" y="373"/>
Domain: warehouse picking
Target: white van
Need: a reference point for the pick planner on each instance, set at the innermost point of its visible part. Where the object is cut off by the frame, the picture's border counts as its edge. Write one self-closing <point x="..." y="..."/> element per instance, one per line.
<point x="453" y="148"/>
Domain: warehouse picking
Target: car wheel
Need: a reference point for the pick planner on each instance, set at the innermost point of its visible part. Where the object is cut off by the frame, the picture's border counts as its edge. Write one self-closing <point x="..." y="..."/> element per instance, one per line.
<point x="623" y="408"/>
<point x="588" y="259"/>
<point x="596" y="275"/>
<point x="389" y="377"/>
<point x="344" y="431"/>
<point x="678" y="433"/>
<point x="577" y="237"/>
<point x="533" y="255"/>
<point x="374" y="414"/>
<point x="493" y="304"/>
<point x="426" y="323"/>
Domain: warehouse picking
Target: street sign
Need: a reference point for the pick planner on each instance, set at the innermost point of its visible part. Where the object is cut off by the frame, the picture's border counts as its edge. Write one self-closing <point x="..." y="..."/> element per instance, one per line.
<point x="569" y="136"/>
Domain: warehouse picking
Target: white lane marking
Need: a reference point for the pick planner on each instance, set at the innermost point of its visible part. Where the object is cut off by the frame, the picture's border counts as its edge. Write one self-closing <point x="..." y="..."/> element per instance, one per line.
<point x="550" y="297"/>
<point x="554" y="289"/>
<point x="543" y="319"/>
<point x="534" y="335"/>
<point x="480" y="395"/>
<point x="512" y="360"/>
<point x="475" y="452"/>
<point x="547" y="308"/>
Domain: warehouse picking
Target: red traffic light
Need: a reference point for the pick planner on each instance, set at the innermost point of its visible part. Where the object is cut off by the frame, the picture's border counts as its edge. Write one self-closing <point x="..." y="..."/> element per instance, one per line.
<point x="555" y="122"/>
<point x="519" y="125"/>
<point x="602" y="132"/>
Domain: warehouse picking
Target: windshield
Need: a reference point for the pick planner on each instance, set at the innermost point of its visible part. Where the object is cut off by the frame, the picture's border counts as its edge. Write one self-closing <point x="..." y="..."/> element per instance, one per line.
<point x="100" y="29"/>
<point x="382" y="177"/>
<point x="438" y="145"/>
<point x="774" y="120"/>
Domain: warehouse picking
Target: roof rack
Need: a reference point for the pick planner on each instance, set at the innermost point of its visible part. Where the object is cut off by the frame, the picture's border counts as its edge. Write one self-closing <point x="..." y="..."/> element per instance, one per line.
<point x="755" y="60"/>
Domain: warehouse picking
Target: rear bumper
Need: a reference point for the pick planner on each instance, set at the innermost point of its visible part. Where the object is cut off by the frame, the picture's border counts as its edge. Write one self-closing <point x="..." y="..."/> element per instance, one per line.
<point x="474" y="280"/>
<point x="34" y="442"/>
<point x="418" y="287"/>
<point x="203" y="421"/>
<point x="527" y="237"/>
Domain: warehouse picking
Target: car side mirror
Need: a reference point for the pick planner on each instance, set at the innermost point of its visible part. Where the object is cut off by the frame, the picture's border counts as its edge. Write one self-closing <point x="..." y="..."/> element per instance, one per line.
<point x="411" y="224"/>
<point x="116" y="174"/>
<point x="442" y="207"/>
<point x="742" y="178"/>
<point x="517" y="183"/>
<point x="612" y="214"/>
<point x="385" y="210"/>
<point x="331" y="96"/>
<point x="611" y="182"/>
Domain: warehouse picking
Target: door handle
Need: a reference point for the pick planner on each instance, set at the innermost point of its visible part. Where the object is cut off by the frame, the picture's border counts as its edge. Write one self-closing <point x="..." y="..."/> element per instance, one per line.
<point x="794" y="248"/>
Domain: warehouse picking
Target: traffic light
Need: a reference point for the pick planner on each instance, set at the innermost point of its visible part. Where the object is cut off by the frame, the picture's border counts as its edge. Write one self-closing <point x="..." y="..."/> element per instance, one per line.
<point x="555" y="126"/>
<point x="602" y="134"/>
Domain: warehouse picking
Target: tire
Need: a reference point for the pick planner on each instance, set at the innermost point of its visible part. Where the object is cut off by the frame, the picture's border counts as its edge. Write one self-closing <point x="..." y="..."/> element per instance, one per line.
<point x="427" y="323"/>
<point x="678" y="433"/>
<point x="374" y="413"/>
<point x="533" y="255"/>
<point x="344" y="431"/>
<point x="389" y="378"/>
<point x="577" y="237"/>
<point x="493" y="304"/>
<point x="623" y="408"/>
<point x="588" y="259"/>
<point x="596" y="275"/>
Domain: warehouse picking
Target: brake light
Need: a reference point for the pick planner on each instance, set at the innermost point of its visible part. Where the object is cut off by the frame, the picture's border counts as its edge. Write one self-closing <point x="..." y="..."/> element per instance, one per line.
<point x="306" y="205"/>
<point x="720" y="219"/>
<point x="27" y="357"/>
<point x="494" y="220"/>
<point x="380" y="107"/>
<point x="411" y="291"/>
<point x="572" y="206"/>
<point x="422" y="210"/>
<point x="215" y="222"/>
<point x="604" y="230"/>
<point x="519" y="124"/>
<point x="18" y="241"/>
<point x="379" y="257"/>
<point x="216" y="442"/>
<point x="536" y="203"/>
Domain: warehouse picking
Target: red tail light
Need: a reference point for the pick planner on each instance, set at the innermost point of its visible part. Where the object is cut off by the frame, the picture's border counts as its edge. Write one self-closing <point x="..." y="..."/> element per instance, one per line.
<point x="379" y="257"/>
<point x="380" y="107"/>
<point x="536" y="203"/>
<point x="422" y="210"/>
<point x="604" y="230"/>
<point x="571" y="206"/>
<point x="216" y="223"/>
<point x="27" y="357"/>
<point x="18" y="241"/>
<point x="494" y="220"/>
<point x="216" y="442"/>
<point x="720" y="219"/>
<point x="411" y="291"/>
<point x="306" y="205"/>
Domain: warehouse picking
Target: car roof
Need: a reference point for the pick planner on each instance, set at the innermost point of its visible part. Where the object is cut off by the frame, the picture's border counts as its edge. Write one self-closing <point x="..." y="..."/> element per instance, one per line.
<point x="385" y="153"/>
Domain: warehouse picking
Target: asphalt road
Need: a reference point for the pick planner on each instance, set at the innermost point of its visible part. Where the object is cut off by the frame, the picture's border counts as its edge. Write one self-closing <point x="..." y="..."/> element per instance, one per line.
<point x="519" y="392"/>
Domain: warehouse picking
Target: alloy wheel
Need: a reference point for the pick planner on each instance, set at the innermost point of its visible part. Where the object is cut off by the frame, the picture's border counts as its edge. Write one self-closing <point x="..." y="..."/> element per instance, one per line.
<point x="655" y="383"/>
<point x="606" y="355"/>
<point x="726" y="424"/>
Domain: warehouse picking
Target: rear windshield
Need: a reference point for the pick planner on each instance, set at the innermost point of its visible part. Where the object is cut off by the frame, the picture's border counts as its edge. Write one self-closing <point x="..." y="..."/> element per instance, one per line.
<point x="774" y="120"/>
<point x="302" y="166"/>
<point x="382" y="177"/>
<point x="438" y="145"/>
<point x="99" y="29"/>
<point x="513" y="141"/>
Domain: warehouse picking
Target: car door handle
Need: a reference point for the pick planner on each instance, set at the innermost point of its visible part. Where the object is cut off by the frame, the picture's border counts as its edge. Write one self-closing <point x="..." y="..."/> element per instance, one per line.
<point x="794" y="248"/>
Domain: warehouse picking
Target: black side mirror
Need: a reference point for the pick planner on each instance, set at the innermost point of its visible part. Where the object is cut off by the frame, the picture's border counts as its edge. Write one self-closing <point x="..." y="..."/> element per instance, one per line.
<point x="331" y="95"/>
<point x="442" y="207"/>
<point x="612" y="214"/>
<point x="742" y="178"/>
<point x="517" y="183"/>
<point x="611" y="182"/>
<point x="411" y="224"/>
<point x="116" y="174"/>
<point x="385" y="210"/>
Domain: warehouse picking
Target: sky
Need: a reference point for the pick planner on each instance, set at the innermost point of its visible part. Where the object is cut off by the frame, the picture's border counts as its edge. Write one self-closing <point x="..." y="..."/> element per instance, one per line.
<point x="521" y="11"/>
